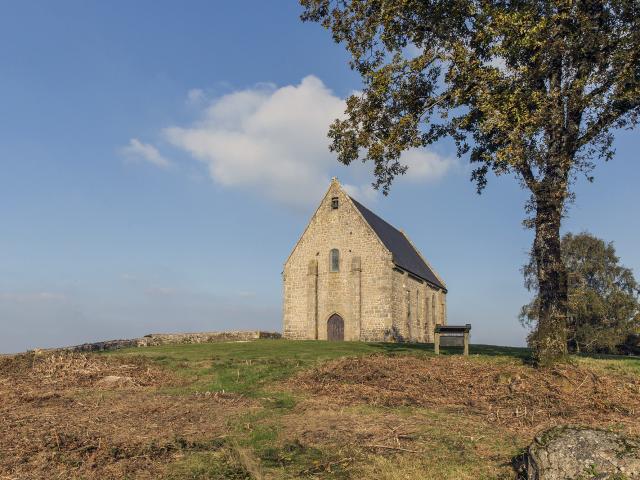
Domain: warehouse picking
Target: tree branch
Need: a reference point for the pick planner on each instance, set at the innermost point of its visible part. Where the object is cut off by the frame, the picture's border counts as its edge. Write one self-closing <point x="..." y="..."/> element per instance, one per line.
<point x="527" y="174"/>
<point x="606" y="120"/>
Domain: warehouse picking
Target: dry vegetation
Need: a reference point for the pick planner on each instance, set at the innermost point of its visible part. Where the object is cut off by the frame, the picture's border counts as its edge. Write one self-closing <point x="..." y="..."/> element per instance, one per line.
<point x="520" y="398"/>
<point x="285" y="410"/>
<point x="79" y="416"/>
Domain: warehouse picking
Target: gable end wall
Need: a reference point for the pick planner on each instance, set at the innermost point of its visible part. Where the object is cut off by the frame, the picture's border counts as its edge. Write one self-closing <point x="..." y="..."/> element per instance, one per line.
<point x="360" y="292"/>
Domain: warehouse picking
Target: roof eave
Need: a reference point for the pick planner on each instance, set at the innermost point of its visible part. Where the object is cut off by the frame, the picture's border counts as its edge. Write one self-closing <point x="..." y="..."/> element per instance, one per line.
<point x="430" y="282"/>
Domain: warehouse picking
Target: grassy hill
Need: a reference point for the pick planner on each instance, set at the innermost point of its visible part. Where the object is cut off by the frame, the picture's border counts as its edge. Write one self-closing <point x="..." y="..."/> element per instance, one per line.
<point x="282" y="409"/>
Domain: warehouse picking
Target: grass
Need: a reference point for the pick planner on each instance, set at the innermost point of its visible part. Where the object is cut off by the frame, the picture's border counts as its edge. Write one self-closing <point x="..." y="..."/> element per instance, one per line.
<point x="610" y="363"/>
<point x="248" y="367"/>
<point x="273" y="428"/>
<point x="245" y="368"/>
<point x="455" y="446"/>
<point x="208" y="465"/>
<point x="452" y="445"/>
<point x="253" y="368"/>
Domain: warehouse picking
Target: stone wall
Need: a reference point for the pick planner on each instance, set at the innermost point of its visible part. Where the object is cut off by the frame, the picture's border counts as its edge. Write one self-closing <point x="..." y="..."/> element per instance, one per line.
<point x="359" y="292"/>
<point x="204" y="337"/>
<point x="416" y="307"/>
<point x="173" y="338"/>
<point x="376" y="301"/>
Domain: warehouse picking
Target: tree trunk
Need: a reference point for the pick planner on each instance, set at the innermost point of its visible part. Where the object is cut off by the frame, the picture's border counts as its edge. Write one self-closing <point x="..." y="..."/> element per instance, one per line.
<point x="550" y="338"/>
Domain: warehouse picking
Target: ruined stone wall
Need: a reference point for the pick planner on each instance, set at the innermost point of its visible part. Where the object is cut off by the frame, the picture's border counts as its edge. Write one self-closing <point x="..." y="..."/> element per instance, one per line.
<point x="169" y="339"/>
<point x="360" y="292"/>
<point x="205" y="337"/>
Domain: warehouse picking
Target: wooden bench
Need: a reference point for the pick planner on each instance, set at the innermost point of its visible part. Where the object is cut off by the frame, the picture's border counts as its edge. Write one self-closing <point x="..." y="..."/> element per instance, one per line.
<point x="451" y="336"/>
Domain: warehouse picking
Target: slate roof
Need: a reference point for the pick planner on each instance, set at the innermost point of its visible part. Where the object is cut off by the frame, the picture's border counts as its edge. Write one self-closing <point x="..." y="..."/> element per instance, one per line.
<point x="404" y="254"/>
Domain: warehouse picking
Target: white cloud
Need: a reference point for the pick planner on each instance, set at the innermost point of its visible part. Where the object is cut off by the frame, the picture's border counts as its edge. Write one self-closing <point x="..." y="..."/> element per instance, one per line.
<point x="363" y="193"/>
<point x="273" y="141"/>
<point x="425" y="165"/>
<point x="136" y="150"/>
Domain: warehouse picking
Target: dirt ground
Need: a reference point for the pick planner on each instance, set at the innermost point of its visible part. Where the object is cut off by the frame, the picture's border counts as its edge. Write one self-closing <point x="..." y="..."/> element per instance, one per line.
<point x="518" y="397"/>
<point x="72" y="416"/>
<point x="78" y="416"/>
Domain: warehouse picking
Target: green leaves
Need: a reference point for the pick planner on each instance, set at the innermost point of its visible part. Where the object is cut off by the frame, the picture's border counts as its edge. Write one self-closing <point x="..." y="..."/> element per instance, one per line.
<point x="532" y="88"/>
<point x="524" y="85"/>
<point x="603" y="298"/>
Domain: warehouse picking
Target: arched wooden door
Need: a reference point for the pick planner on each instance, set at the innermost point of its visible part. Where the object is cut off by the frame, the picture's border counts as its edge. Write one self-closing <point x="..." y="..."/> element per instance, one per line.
<point x="335" y="328"/>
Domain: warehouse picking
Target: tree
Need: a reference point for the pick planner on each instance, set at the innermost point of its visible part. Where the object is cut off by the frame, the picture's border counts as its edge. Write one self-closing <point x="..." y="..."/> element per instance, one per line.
<point x="534" y="88"/>
<point x="603" y="303"/>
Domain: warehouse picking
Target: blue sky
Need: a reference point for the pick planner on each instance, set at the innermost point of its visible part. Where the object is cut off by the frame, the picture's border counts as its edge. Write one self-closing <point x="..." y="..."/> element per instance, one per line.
<point x="160" y="159"/>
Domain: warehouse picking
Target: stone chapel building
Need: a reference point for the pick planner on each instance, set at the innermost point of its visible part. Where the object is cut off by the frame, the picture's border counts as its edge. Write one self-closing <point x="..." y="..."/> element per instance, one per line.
<point x="353" y="276"/>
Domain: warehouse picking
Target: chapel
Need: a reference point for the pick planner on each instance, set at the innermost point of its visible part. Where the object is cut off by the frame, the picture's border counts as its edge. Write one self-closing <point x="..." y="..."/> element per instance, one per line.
<point x="354" y="276"/>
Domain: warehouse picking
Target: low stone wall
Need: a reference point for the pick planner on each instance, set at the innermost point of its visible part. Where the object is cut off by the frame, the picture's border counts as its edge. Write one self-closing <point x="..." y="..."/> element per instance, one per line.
<point x="100" y="346"/>
<point x="205" y="337"/>
<point x="173" y="338"/>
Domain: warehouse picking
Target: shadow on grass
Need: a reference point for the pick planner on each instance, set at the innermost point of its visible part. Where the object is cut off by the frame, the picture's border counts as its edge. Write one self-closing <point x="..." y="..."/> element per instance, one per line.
<point x="626" y="363"/>
<point x="427" y="348"/>
<point x="622" y="363"/>
<point x="608" y="356"/>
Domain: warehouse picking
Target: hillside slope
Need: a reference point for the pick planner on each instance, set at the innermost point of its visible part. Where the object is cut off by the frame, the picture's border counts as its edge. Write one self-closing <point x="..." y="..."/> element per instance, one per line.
<point x="278" y="409"/>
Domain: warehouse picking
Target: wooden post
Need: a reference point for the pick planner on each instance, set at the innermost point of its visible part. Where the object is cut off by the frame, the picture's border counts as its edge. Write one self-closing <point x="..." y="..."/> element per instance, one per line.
<point x="436" y="341"/>
<point x="466" y="338"/>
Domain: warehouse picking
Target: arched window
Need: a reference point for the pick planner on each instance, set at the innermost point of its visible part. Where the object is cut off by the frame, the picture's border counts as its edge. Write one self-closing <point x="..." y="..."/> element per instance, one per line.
<point x="334" y="260"/>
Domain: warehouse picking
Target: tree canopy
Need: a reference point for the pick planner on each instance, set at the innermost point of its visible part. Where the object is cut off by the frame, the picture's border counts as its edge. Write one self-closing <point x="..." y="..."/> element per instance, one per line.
<point x="604" y="303"/>
<point x="533" y="88"/>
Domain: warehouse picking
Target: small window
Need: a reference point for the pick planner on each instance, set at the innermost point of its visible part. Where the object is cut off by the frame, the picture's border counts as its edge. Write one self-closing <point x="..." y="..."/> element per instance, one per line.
<point x="335" y="260"/>
<point x="334" y="203"/>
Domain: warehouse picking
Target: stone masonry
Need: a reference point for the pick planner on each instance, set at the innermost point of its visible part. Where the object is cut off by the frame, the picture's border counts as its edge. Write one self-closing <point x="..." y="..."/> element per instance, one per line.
<point x="376" y="298"/>
<point x="155" y="339"/>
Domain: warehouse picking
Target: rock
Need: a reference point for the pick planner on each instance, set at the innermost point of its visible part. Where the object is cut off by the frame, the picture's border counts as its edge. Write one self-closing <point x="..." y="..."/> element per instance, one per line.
<point x="575" y="453"/>
<point x="115" y="381"/>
